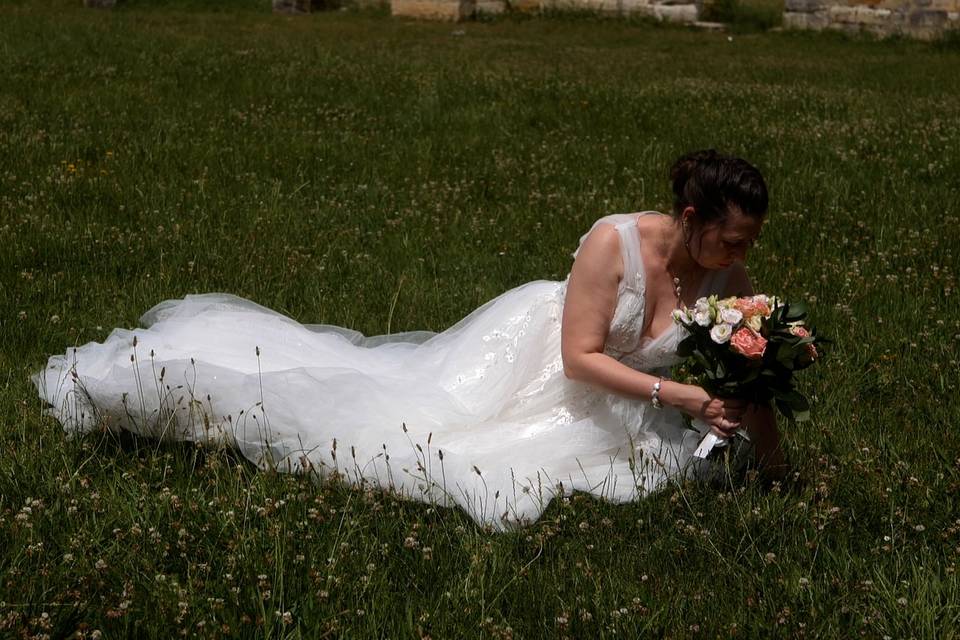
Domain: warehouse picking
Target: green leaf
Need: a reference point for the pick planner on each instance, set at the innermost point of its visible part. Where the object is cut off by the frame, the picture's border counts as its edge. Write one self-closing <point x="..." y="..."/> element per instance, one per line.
<point x="785" y="409"/>
<point x="686" y="346"/>
<point x="795" y="311"/>
<point x="785" y="356"/>
<point x="799" y="403"/>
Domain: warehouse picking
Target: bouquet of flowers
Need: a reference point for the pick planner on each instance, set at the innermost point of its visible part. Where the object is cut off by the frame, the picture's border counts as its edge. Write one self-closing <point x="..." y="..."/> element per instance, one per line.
<point x="748" y="348"/>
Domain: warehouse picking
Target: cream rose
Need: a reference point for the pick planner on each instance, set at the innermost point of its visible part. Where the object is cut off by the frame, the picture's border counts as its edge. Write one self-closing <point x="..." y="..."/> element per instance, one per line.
<point x="731" y="316"/>
<point x="721" y="333"/>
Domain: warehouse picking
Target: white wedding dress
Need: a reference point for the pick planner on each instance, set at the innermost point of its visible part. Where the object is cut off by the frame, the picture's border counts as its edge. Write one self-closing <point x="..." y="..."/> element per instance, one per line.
<point x="480" y="415"/>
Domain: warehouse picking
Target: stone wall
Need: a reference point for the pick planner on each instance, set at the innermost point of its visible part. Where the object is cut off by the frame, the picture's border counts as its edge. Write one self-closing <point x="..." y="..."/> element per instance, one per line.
<point x="925" y="19"/>
<point x="664" y="10"/>
<point x="915" y="18"/>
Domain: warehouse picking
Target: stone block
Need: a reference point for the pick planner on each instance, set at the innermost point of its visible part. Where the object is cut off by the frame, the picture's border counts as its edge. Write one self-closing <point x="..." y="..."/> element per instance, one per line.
<point x="860" y="16"/>
<point x="491" y="7"/>
<point x="710" y="26"/>
<point x="633" y="6"/>
<point x="443" y="10"/>
<point x="682" y="13"/>
<point x="100" y="4"/>
<point x="927" y="19"/>
<point x="804" y="6"/>
<point x="798" y="20"/>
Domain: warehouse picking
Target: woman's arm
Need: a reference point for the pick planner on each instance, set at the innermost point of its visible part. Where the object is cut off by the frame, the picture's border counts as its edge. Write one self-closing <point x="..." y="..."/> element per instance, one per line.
<point x="588" y="309"/>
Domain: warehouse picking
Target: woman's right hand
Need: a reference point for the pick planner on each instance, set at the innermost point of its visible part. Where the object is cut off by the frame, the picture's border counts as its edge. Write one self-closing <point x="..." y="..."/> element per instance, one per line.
<point x="722" y="414"/>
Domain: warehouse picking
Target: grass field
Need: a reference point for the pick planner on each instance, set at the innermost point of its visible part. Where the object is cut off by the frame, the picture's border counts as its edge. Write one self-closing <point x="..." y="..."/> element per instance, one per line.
<point x="311" y="164"/>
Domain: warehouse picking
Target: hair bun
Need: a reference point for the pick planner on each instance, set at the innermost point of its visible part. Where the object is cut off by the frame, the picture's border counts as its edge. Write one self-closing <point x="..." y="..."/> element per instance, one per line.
<point x="711" y="182"/>
<point x="687" y="164"/>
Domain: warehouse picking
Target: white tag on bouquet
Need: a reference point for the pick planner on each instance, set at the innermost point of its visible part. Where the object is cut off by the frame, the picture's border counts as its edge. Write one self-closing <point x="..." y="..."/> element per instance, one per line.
<point x="707" y="444"/>
<point x="711" y="440"/>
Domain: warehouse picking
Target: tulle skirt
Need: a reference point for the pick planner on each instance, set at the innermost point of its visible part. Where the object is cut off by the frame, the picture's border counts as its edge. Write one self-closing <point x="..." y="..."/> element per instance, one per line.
<point x="480" y="415"/>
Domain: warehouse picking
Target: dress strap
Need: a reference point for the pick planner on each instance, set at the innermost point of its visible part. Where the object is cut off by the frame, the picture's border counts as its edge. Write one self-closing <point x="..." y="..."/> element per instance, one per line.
<point x="626" y="225"/>
<point x="633" y="271"/>
<point x="620" y="220"/>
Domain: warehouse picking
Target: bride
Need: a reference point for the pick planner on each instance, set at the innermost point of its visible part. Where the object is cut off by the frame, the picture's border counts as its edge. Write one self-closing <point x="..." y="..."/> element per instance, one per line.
<point x="548" y="388"/>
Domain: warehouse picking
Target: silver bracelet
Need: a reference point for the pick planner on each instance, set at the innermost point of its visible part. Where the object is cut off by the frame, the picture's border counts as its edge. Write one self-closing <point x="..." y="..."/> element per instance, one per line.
<point x="655" y="396"/>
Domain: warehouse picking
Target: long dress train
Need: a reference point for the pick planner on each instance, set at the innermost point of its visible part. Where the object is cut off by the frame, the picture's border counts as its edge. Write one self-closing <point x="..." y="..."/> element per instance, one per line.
<point x="480" y="415"/>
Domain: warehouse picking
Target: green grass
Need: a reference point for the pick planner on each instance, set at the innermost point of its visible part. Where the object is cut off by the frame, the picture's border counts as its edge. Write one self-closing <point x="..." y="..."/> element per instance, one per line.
<point x="310" y="164"/>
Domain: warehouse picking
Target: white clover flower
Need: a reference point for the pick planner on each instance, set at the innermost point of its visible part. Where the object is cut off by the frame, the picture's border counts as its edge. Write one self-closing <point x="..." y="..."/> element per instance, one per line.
<point x="730" y="316"/>
<point x="721" y="333"/>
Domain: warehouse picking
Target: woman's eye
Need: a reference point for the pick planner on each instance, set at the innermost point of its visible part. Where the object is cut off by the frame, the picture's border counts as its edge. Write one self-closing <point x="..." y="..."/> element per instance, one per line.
<point x="747" y="244"/>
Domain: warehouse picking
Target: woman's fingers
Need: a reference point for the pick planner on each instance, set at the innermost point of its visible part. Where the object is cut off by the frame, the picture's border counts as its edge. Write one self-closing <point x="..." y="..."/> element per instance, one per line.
<point x="729" y="425"/>
<point x="725" y="427"/>
<point x="734" y="409"/>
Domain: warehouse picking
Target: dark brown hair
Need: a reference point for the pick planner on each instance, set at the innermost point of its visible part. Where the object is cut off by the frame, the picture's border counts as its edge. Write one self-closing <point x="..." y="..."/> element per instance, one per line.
<point x="711" y="183"/>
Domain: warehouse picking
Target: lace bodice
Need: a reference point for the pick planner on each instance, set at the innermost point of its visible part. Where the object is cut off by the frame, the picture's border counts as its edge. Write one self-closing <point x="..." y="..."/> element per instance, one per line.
<point x="624" y="342"/>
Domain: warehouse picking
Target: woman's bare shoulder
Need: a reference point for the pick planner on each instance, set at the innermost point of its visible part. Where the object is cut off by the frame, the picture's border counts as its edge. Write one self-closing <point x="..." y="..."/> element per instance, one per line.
<point x="601" y="250"/>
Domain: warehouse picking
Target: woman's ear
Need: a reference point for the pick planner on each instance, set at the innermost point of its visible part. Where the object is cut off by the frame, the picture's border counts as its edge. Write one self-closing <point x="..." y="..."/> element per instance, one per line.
<point x="686" y="222"/>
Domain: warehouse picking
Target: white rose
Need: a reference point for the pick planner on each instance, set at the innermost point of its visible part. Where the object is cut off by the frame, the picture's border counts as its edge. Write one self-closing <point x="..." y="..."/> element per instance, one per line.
<point x="702" y="318"/>
<point x="731" y="316"/>
<point x="721" y="333"/>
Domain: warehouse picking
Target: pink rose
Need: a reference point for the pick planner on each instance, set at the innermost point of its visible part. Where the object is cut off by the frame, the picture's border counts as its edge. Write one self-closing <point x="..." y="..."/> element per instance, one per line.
<point x="801" y="332"/>
<point x="750" y="307"/>
<point x="749" y="343"/>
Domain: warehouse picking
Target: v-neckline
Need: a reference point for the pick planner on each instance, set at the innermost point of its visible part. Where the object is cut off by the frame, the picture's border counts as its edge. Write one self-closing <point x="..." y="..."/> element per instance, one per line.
<point x="636" y="229"/>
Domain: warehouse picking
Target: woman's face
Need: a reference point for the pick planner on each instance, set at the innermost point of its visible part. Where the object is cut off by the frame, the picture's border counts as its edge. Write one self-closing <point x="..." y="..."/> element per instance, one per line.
<point x="717" y="245"/>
